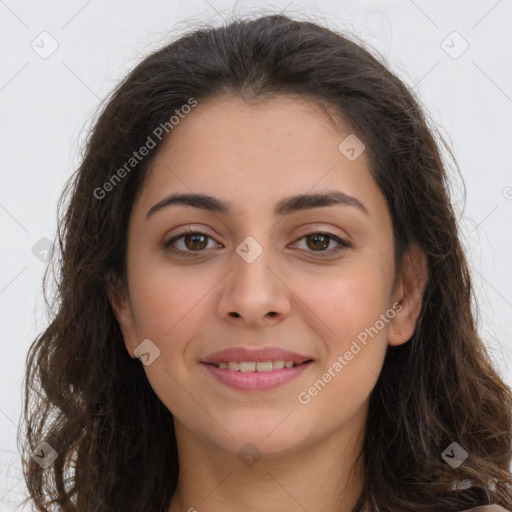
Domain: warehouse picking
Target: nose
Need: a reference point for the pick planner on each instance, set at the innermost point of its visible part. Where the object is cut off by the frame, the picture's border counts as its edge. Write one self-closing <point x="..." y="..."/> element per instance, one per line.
<point x="254" y="293"/>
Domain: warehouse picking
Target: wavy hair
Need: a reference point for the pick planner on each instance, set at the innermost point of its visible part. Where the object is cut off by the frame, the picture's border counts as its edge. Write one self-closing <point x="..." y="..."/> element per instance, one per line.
<point x="93" y="404"/>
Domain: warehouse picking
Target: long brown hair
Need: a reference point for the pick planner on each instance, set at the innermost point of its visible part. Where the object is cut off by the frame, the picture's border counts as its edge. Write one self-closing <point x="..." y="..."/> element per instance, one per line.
<point x="92" y="403"/>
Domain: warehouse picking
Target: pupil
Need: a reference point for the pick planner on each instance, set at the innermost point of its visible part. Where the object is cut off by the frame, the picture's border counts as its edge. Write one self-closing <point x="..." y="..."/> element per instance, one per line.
<point x="194" y="238"/>
<point x="324" y="237"/>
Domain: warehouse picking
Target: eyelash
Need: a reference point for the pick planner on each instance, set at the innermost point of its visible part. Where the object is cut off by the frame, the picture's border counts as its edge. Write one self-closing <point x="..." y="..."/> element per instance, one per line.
<point x="342" y="244"/>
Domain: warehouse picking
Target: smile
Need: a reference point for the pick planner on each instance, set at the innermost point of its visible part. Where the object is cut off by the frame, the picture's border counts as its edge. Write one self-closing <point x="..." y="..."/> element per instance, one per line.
<point x="256" y="375"/>
<point x="256" y="366"/>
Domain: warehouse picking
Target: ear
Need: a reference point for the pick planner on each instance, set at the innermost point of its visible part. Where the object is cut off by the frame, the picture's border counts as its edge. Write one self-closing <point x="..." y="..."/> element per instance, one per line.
<point x="408" y="293"/>
<point x="119" y="300"/>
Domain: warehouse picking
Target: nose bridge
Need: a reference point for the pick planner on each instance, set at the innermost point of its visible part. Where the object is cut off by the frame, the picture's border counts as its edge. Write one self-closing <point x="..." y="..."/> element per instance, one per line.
<point x="253" y="289"/>
<point x="251" y="267"/>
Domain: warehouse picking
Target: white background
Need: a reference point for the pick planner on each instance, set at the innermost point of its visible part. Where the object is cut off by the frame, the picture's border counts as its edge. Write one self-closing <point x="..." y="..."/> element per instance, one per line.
<point x="47" y="105"/>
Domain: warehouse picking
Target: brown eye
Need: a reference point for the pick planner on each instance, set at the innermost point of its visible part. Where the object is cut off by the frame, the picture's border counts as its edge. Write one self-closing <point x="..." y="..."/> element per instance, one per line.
<point x="190" y="242"/>
<point x="318" y="242"/>
<point x="195" y="241"/>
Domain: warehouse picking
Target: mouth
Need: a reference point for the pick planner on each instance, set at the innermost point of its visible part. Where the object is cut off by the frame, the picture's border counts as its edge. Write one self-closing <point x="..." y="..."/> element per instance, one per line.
<point x="256" y="376"/>
<point x="255" y="369"/>
<point x="258" y="366"/>
<point x="264" y="357"/>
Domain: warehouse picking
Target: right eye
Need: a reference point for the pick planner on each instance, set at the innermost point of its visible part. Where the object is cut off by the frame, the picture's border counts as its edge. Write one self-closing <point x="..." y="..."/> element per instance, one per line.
<point x="193" y="242"/>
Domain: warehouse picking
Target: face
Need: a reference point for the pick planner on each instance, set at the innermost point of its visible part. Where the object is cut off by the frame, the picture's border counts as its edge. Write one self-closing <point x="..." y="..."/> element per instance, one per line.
<point x="252" y="270"/>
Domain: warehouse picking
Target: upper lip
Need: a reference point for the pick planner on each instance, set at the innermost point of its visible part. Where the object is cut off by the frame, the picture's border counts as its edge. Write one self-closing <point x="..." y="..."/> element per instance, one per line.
<point x="261" y="354"/>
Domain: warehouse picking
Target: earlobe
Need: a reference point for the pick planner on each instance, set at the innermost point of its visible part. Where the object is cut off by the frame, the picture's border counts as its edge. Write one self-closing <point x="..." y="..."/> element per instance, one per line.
<point x="120" y="303"/>
<point x="409" y="295"/>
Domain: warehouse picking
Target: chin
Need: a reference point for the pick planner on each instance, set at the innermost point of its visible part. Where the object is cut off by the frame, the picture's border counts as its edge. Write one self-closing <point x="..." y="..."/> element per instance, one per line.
<point x="270" y="435"/>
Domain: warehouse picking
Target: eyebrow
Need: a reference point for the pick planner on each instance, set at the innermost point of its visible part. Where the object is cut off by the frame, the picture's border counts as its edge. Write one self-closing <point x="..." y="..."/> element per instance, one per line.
<point x="285" y="206"/>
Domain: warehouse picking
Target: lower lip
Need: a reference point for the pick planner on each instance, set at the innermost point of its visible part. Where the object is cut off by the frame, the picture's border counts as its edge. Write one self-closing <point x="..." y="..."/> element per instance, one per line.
<point x="256" y="381"/>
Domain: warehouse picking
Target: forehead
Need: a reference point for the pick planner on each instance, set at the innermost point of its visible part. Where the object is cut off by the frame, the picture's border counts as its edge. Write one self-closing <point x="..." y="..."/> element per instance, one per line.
<point x="257" y="129"/>
<point x="258" y="151"/>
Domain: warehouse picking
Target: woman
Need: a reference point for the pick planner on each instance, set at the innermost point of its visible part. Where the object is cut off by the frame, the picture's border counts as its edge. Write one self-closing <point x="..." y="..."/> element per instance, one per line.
<point x="263" y="301"/>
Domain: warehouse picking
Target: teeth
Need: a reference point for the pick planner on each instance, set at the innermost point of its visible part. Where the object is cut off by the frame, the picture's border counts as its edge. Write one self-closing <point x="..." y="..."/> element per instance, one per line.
<point x="264" y="366"/>
<point x="258" y="366"/>
<point x="247" y="366"/>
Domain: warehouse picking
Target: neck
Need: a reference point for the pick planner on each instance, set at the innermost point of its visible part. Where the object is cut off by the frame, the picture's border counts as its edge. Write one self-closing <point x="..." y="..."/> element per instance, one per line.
<point x="321" y="477"/>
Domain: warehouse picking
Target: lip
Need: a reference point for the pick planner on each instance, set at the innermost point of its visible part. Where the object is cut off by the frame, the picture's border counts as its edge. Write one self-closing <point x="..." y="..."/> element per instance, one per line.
<point x="256" y="381"/>
<point x="261" y="354"/>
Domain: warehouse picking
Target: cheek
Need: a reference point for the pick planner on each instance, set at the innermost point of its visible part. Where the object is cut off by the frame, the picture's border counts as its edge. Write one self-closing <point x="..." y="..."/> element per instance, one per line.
<point x="165" y="308"/>
<point x="354" y="337"/>
<point x="348" y="301"/>
<point x="164" y="300"/>
<point x="355" y="345"/>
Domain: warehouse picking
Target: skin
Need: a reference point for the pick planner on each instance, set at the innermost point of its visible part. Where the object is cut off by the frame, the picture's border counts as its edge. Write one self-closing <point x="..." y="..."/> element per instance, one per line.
<point x="253" y="155"/>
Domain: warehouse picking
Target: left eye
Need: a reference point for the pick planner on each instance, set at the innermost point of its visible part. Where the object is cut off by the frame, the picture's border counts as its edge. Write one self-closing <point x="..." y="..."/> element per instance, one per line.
<point x="195" y="241"/>
<point x="321" y="240"/>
